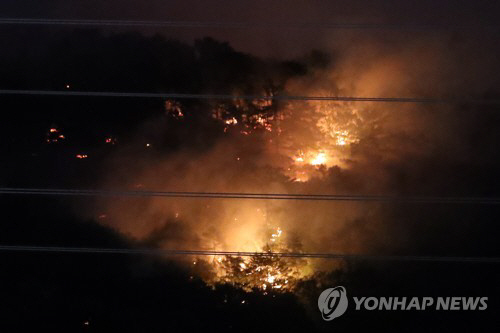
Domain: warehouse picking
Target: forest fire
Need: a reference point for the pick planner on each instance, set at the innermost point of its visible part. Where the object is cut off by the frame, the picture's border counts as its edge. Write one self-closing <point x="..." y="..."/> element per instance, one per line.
<point x="261" y="272"/>
<point x="188" y="174"/>
<point x="263" y="145"/>
<point x="316" y="134"/>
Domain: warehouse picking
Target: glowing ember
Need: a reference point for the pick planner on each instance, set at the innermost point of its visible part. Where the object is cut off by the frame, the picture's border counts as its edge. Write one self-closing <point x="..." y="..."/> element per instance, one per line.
<point x="231" y="121"/>
<point x="81" y="156"/>
<point x="54" y="135"/>
<point x="174" y="109"/>
<point x="247" y="117"/>
<point x="110" y="140"/>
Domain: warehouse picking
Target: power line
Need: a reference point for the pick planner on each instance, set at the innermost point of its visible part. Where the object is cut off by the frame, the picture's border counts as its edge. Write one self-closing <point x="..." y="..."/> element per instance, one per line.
<point x="240" y="25"/>
<point x="162" y="252"/>
<point x="254" y="196"/>
<point x="248" y="97"/>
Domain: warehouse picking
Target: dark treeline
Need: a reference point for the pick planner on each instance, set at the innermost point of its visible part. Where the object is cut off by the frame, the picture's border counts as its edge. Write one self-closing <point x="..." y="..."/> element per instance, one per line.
<point x="90" y="60"/>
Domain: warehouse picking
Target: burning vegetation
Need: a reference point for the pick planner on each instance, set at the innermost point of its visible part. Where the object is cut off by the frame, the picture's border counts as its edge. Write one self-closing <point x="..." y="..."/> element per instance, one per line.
<point x="258" y="136"/>
<point x="266" y="146"/>
<point x="260" y="272"/>
<point x="255" y="145"/>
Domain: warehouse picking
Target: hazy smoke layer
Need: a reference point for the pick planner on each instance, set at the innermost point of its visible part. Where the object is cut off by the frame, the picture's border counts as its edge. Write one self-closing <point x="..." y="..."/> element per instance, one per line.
<point x="316" y="147"/>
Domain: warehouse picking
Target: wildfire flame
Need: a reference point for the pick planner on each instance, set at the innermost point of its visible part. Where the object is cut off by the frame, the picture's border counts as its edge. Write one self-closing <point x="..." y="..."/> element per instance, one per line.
<point x="305" y="148"/>
<point x="319" y="159"/>
<point x="261" y="272"/>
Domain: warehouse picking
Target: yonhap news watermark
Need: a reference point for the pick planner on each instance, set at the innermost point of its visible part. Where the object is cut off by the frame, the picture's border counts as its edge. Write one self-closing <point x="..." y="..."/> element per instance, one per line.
<point x="334" y="302"/>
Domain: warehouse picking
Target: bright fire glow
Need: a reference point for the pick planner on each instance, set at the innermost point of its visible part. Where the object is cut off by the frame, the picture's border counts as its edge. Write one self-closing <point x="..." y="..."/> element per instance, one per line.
<point x="261" y="272"/>
<point x="319" y="159"/>
<point x="303" y="145"/>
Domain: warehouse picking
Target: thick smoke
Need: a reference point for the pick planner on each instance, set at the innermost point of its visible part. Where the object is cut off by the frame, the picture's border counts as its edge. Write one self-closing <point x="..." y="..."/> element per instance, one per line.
<point x="314" y="147"/>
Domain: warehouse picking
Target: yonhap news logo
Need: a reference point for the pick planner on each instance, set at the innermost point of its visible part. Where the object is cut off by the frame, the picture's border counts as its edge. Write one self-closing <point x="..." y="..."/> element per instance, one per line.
<point x="333" y="303"/>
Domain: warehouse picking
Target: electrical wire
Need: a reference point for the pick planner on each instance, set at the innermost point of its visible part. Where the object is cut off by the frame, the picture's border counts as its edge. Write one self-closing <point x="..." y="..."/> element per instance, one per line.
<point x="162" y="252"/>
<point x="241" y="25"/>
<point x="255" y="196"/>
<point x="248" y="97"/>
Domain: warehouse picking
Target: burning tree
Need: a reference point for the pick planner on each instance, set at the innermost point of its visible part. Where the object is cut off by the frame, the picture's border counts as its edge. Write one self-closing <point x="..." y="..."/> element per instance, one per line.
<point x="265" y="271"/>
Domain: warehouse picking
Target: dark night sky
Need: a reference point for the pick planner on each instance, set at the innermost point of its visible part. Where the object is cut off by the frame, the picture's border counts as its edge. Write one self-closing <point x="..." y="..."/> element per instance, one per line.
<point x="261" y="41"/>
<point x="273" y="10"/>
